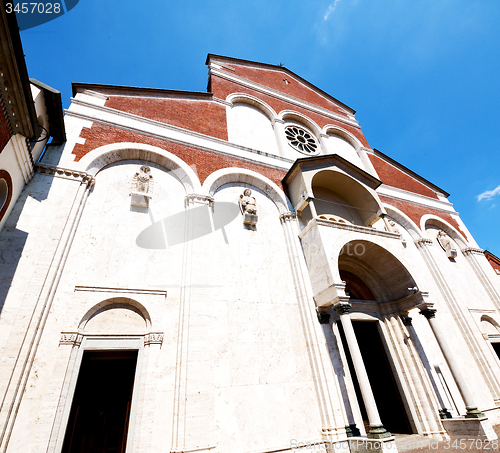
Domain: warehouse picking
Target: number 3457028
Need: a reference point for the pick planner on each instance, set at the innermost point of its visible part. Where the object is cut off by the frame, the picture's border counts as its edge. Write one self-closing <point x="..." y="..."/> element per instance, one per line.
<point x="33" y="8"/>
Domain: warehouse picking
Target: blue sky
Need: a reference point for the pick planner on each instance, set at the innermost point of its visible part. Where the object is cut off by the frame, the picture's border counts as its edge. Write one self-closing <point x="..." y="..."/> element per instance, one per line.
<point x="423" y="75"/>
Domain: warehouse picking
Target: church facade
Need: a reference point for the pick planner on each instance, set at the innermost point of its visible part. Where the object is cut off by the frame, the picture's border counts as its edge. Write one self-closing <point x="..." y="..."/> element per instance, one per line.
<point x="237" y="271"/>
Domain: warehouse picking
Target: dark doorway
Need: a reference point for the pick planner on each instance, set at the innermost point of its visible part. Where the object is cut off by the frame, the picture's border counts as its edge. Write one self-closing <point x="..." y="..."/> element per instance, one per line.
<point x="100" y="411"/>
<point x="496" y="347"/>
<point x="385" y="390"/>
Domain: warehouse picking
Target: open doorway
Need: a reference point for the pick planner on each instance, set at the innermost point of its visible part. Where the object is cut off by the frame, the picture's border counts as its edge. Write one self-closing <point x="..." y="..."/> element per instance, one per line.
<point x="98" y="421"/>
<point x="384" y="387"/>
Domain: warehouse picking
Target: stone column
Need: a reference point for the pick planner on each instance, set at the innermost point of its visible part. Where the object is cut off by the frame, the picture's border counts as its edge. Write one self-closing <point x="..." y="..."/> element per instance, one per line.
<point x="377" y="431"/>
<point x="453" y="363"/>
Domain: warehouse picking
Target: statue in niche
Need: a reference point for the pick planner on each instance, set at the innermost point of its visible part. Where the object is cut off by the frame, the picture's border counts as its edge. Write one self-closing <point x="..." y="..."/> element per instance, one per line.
<point x="142" y="187"/>
<point x="446" y="244"/>
<point x="248" y="207"/>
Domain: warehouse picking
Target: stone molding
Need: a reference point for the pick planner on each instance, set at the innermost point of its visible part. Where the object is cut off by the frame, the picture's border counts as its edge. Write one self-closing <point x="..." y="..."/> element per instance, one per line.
<point x="71" y="338"/>
<point x="153" y="338"/>
<point x="103" y="289"/>
<point x="65" y="173"/>
<point x="421" y="242"/>
<point x="200" y="198"/>
<point x="76" y="338"/>
<point x="472" y="251"/>
<point x="349" y="227"/>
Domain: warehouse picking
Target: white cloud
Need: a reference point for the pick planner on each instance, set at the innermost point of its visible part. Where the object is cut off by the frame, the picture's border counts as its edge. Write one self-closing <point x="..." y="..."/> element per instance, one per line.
<point x="489" y="194"/>
<point x="330" y="9"/>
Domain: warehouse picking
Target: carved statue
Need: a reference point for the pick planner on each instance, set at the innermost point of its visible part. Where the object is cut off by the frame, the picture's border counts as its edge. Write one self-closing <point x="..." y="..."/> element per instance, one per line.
<point x="446" y="243"/>
<point x="142" y="187"/>
<point x="248" y="203"/>
<point x="248" y="207"/>
<point x="142" y="180"/>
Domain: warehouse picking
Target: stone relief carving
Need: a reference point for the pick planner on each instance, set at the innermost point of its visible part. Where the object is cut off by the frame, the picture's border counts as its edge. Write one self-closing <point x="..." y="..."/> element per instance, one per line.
<point x="71" y="338"/>
<point x="248" y="207"/>
<point x="142" y="187"/>
<point x="446" y="244"/>
<point x="153" y="338"/>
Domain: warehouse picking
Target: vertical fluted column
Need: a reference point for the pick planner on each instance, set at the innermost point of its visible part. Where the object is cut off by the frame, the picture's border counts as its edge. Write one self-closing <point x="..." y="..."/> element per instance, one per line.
<point x="377" y="431"/>
<point x="453" y="363"/>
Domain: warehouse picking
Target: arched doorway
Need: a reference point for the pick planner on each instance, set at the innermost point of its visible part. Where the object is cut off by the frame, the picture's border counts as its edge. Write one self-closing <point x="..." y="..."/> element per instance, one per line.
<point x="374" y="276"/>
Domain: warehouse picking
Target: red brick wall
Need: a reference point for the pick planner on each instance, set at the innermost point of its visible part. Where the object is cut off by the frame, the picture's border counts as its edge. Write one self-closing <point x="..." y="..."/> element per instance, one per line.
<point x="4" y="132"/>
<point x="415" y="212"/>
<point x="494" y="261"/>
<point x="396" y="178"/>
<point x="275" y="79"/>
<point x="205" y="161"/>
<point x="222" y="88"/>
<point x="205" y="117"/>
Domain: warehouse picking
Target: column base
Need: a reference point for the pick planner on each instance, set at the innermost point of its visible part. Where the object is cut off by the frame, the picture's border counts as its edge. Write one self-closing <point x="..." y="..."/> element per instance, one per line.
<point x="378" y="432"/>
<point x="473" y="412"/>
<point x="469" y="428"/>
<point x="352" y="430"/>
<point x="444" y="413"/>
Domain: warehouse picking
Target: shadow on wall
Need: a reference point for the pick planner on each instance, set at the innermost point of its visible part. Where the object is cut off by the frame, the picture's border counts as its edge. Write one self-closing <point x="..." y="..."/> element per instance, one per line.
<point x="13" y="240"/>
<point x="172" y="230"/>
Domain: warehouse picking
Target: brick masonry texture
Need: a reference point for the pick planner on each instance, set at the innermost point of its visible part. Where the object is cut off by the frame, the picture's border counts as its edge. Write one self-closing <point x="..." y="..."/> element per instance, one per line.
<point x="222" y="88"/>
<point x="493" y="260"/>
<point x="415" y="212"/>
<point x="394" y="177"/>
<point x="205" y="117"/>
<point x="204" y="162"/>
<point x="4" y="132"/>
<point x="275" y="79"/>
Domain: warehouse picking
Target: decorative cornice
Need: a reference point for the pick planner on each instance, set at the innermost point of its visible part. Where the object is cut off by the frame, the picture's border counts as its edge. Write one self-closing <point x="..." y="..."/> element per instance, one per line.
<point x="199" y="198"/>
<point x="472" y="251"/>
<point x="65" y="173"/>
<point x="288" y="216"/>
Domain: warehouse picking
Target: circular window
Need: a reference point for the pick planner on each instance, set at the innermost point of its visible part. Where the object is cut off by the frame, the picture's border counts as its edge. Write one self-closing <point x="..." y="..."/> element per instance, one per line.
<point x="301" y="140"/>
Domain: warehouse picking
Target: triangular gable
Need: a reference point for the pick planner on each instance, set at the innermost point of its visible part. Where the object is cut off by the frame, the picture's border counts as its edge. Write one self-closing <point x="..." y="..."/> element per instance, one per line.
<point x="280" y="79"/>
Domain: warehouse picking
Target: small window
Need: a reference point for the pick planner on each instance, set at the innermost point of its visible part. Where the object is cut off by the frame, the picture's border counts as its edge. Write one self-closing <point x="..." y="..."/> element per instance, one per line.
<point x="100" y="412"/>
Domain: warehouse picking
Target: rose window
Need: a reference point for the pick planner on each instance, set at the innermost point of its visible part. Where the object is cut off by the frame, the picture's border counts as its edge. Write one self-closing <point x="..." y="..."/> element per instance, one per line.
<point x="301" y="140"/>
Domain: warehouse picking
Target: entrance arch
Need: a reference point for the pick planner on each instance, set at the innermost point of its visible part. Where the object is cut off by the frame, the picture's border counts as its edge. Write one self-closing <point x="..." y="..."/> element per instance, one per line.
<point x="373" y="276"/>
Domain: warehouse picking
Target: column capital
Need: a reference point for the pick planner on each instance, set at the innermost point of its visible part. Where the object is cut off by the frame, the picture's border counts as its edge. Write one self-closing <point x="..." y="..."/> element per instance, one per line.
<point x="199" y="198"/>
<point x="428" y="312"/>
<point x="342" y="308"/>
<point x="420" y="242"/>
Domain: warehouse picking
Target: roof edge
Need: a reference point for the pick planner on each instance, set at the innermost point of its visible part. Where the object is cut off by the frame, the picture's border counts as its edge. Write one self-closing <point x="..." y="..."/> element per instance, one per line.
<point x="117" y="89"/>
<point x="421" y="179"/>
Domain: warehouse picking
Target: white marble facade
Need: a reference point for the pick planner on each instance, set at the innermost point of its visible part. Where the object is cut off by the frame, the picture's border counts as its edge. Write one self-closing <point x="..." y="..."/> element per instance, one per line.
<point x="225" y="314"/>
